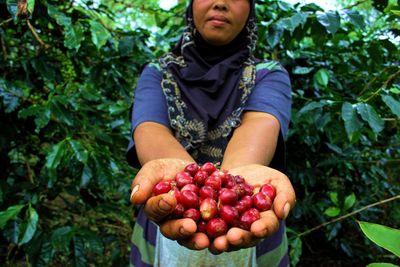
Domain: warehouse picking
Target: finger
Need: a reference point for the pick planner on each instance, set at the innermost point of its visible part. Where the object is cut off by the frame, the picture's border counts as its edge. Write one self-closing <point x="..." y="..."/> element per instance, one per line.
<point x="267" y="225"/>
<point x="239" y="238"/>
<point x="219" y="245"/>
<point x="178" y="229"/>
<point x="150" y="174"/>
<point x="197" y="241"/>
<point x="285" y="199"/>
<point x="159" y="207"/>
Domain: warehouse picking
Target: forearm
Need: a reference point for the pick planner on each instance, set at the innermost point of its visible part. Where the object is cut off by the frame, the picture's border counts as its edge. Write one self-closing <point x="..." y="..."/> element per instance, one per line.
<point x="155" y="141"/>
<point x="254" y="142"/>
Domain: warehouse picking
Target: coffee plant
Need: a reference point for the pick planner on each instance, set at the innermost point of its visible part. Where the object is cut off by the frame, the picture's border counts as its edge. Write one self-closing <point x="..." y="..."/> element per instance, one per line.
<point x="68" y="70"/>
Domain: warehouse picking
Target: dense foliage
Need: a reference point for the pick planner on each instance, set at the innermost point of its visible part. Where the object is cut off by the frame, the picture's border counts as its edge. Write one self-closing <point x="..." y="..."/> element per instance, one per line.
<point x="67" y="74"/>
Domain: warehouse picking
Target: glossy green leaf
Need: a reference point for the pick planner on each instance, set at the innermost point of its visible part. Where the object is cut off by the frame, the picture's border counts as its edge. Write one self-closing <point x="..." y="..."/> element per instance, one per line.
<point x="275" y="35"/>
<point x="92" y="242"/>
<point x="393" y="104"/>
<point x="99" y="33"/>
<point x="9" y="214"/>
<point x="31" y="6"/>
<point x="312" y="106"/>
<point x="74" y="36"/>
<point x="356" y="18"/>
<point x="60" y="112"/>
<point x="302" y="70"/>
<point x="56" y="154"/>
<point x="351" y="120"/>
<point x="42" y="118"/>
<point x="349" y="201"/>
<point x="291" y="23"/>
<point x="384" y="236"/>
<point x="330" y="20"/>
<point x="60" y="17"/>
<point x="332" y="212"/>
<point x="31" y="225"/>
<point x="381" y="264"/>
<point x="334" y="198"/>
<point x="79" y="252"/>
<point x="12" y="6"/>
<point x="9" y="98"/>
<point x="87" y="175"/>
<point x="369" y="115"/>
<point x="296" y="247"/>
<point x="80" y="152"/>
<point x="321" y="77"/>
<point x="61" y="238"/>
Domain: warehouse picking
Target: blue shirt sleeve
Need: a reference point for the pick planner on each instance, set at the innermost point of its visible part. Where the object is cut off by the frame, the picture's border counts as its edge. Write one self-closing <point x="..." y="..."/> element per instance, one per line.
<point x="272" y="94"/>
<point x="149" y="105"/>
<point x="149" y="100"/>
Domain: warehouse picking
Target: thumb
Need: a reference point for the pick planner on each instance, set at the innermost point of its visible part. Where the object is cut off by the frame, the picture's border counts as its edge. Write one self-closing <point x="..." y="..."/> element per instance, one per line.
<point x="285" y="199"/>
<point x="150" y="174"/>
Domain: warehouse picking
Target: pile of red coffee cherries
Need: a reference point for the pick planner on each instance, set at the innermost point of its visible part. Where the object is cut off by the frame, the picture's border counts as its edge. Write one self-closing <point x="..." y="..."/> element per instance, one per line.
<point x="215" y="199"/>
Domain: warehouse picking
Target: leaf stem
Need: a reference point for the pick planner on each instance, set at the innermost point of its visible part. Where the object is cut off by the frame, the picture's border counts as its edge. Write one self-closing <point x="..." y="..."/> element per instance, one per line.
<point x="5" y="21"/>
<point x="384" y="85"/>
<point x="346" y="216"/>
<point x="36" y="35"/>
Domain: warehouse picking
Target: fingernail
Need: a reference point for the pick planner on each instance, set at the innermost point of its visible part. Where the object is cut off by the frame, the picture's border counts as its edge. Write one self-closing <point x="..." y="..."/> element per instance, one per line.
<point x="286" y="210"/>
<point x="165" y="206"/>
<point x="134" y="190"/>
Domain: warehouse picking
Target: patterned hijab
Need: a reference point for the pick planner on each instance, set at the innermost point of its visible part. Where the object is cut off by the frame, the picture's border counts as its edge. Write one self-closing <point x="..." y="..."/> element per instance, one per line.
<point x="208" y="76"/>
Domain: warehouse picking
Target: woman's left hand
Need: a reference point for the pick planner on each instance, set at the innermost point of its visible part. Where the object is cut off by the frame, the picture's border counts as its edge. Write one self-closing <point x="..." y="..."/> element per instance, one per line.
<point x="268" y="224"/>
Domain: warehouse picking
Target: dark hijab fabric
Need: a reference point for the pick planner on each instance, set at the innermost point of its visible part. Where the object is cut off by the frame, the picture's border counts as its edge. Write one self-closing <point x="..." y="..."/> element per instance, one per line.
<point x="208" y="76"/>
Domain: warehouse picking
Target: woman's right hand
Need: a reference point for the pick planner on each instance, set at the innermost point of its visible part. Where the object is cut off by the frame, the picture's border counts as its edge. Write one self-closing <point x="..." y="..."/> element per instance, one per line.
<point x="157" y="208"/>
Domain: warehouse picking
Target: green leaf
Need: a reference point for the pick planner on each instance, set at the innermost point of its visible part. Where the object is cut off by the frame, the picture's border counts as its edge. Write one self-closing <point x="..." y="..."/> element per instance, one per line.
<point x="321" y="77"/>
<point x="385" y="237"/>
<point x="274" y="35"/>
<point x="80" y="152"/>
<point x="61" y="238"/>
<point x="330" y="20"/>
<point x="293" y="22"/>
<point x="351" y="121"/>
<point x="79" y="251"/>
<point x="42" y="119"/>
<point x="296" y="248"/>
<point x="31" y="226"/>
<point x="395" y="90"/>
<point x="92" y="242"/>
<point x="9" y="214"/>
<point x="356" y="18"/>
<point x="393" y="104"/>
<point x="369" y="115"/>
<point x="334" y="198"/>
<point x="312" y="106"/>
<point x="60" y="17"/>
<point x="31" y="6"/>
<point x="74" y="36"/>
<point x="12" y="7"/>
<point x="381" y="264"/>
<point x="87" y="175"/>
<point x="100" y="35"/>
<point x="53" y="159"/>
<point x="349" y="201"/>
<point x="302" y="70"/>
<point x="332" y="211"/>
<point x="60" y="112"/>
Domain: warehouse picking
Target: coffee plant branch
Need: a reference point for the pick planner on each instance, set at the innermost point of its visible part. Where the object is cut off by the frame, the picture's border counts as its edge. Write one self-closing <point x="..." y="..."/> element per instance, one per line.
<point x="5" y="21"/>
<point x="36" y="35"/>
<point x="384" y="86"/>
<point x="346" y="216"/>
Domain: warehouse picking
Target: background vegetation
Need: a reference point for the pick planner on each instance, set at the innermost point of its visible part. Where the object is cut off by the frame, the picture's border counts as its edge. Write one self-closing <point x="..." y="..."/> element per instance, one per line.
<point x="67" y="76"/>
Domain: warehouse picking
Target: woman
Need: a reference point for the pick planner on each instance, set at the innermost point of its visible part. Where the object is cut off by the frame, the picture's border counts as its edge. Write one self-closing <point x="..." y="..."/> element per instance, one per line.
<point x="209" y="99"/>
